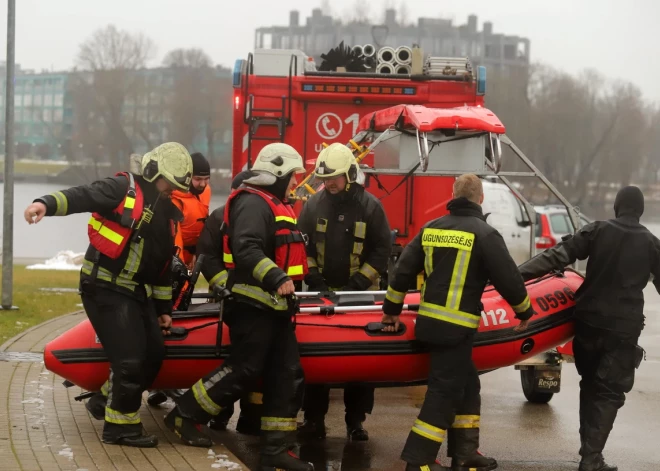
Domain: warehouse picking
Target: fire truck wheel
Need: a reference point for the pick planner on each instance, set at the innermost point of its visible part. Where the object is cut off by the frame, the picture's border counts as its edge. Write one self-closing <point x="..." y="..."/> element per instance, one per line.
<point x="527" y="378"/>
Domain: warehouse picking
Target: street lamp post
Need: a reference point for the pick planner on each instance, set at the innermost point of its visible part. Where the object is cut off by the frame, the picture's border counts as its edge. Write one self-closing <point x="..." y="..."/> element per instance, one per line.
<point x="8" y="208"/>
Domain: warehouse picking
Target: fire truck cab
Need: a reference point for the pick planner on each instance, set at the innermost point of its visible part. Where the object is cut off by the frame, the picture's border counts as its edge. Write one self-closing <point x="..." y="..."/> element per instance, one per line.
<point x="412" y="132"/>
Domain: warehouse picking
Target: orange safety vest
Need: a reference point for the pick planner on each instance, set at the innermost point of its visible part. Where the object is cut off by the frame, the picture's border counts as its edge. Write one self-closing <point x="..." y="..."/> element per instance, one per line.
<point x="110" y="235"/>
<point x="290" y="253"/>
<point x="195" y="211"/>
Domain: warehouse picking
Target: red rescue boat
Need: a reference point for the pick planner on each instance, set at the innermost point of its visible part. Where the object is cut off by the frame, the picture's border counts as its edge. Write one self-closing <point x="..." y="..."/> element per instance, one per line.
<point x="337" y="347"/>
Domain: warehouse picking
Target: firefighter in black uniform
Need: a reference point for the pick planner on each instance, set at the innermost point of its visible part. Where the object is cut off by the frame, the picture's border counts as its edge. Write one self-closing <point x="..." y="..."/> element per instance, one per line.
<point x="349" y="247"/>
<point x="126" y="281"/>
<point x="216" y="274"/>
<point x="264" y="252"/>
<point x="458" y="254"/>
<point x="623" y="256"/>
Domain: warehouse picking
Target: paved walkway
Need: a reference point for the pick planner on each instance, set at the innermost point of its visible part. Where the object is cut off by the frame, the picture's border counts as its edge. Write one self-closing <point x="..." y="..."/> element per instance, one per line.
<point x="42" y="427"/>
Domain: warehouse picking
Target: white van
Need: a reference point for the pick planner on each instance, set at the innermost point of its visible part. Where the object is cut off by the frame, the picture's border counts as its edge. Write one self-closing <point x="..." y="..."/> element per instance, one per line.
<point x="507" y="214"/>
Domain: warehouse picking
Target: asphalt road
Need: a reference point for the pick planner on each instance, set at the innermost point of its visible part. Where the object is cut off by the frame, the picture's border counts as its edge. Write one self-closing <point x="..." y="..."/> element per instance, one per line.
<point x="520" y="435"/>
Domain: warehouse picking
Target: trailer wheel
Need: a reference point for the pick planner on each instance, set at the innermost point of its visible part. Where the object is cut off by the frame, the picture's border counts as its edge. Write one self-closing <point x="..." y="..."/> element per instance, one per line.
<point x="527" y="380"/>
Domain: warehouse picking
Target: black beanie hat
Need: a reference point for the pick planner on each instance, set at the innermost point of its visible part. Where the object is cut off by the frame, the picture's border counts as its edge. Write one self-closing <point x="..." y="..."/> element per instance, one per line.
<point x="201" y="166"/>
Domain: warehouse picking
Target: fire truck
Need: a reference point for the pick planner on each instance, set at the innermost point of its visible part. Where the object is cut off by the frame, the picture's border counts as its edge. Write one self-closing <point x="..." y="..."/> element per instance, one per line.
<point x="412" y="132"/>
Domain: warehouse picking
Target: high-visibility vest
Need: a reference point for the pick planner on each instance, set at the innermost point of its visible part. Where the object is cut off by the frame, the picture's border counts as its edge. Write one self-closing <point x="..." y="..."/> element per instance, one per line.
<point x="109" y="235"/>
<point x="290" y="254"/>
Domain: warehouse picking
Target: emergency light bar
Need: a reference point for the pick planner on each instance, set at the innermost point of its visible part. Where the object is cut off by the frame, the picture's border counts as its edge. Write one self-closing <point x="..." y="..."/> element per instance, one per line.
<point x="375" y="89"/>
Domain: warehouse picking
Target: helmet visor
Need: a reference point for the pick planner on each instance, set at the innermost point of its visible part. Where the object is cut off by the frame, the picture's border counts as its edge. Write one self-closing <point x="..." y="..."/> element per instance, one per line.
<point x="323" y="171"/>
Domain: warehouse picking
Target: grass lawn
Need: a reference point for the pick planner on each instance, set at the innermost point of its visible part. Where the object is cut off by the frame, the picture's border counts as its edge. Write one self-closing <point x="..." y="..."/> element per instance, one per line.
<point x="37" y="306"/>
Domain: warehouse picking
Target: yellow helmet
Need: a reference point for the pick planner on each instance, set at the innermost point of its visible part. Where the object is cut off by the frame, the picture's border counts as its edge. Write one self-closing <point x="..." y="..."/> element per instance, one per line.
<point x="170" y="161"/>
<point x="335" y="160"/>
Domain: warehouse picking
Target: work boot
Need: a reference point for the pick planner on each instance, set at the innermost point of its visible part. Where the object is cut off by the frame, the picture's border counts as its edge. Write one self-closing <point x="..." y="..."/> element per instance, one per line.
<point x="312" y="429"/>
<point x="357" y="433"/>
<point x="601" y="415"/>
<point x="248" y="425"/>
<point x="284" y="461"/>
<point x="463" y="448"/>
<point x="187" y="429"/>
<point x="96" y="406"/>
<point x="218" y="424"/>
<point x="430" y="467"/>
<point x="156" y="397"/>
<point x="139" y="441"/>
<point x="597" y="464"/>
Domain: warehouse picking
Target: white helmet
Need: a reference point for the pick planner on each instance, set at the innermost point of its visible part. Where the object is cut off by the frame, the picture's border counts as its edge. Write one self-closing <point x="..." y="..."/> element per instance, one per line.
<point x="275" y="161"/>
<point x="335" y="160"/>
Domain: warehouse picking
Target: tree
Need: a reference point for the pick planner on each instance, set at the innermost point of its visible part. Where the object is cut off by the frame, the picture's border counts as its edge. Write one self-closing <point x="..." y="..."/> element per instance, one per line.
<point x="112" y="57"/>
<point x="326" y="8"/>
<point x="404" y="13"/>
<point x="192" y="93"/>
<point x="192" y="58"/>
<point x="361" y="12"/>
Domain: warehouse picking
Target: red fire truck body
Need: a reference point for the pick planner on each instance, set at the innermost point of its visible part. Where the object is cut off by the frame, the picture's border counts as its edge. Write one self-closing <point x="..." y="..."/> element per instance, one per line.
<point x="309" y="109"/>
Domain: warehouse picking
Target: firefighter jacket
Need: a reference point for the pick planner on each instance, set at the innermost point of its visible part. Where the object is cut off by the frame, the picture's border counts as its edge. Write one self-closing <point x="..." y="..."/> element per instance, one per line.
<point x="143" y="266"/>
<point x="195" y="209"/>
<point x="458" y="254"/>
<point x="262" y="246"/>
<point x="349" y="240"/>
<point x="210" y="244"/>
<point x="623" y="256"/>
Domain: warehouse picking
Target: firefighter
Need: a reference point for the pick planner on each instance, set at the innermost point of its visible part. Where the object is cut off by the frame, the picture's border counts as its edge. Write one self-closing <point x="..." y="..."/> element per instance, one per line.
<point x="623" y="256"/>
<point x="194" y="205"/>
<point x="348" y="222"/>
<point x="215" y="272"/>
<point x="458" y="254"/>
<point x="265" y="252"/>
<point x="131" y="235"/>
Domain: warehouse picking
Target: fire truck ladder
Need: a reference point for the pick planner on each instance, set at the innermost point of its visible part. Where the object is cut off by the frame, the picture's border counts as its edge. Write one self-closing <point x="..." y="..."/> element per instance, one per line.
<point x="269" y="116"/>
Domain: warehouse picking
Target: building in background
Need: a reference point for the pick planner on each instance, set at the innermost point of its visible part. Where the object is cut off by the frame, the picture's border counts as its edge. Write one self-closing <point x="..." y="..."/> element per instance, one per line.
<point x="437" y="37"/>
<point x="59" y="117"/>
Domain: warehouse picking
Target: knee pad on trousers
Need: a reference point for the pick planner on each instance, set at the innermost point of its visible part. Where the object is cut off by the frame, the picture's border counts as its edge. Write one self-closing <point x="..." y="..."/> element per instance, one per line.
<point x="131" y="376"/>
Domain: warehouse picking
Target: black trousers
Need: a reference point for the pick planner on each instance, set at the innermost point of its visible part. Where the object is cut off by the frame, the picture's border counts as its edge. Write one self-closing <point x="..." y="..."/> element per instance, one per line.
<point x="358" y="401"/>
<point x="133" y="341"/>
<point x="263" y="346"/>
<point x="453" y="389"/>
<point x="606" y="361"/>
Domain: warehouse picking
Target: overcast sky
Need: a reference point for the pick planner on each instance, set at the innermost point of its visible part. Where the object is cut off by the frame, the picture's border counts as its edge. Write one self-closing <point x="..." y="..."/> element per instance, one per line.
<point x="620" y="39"/>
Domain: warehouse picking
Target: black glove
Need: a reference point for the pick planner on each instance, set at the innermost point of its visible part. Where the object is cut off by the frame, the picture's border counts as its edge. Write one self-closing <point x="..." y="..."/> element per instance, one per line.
<point x="315" y="282"/>
<point x="357" y="282"/>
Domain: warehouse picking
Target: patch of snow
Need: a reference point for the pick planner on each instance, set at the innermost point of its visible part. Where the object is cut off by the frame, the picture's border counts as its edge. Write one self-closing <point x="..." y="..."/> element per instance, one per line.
<point x="33" y="400"/>
<point x="64" y="260"/>
<point x="66" y="452"/>
<point x="222" y="461"/>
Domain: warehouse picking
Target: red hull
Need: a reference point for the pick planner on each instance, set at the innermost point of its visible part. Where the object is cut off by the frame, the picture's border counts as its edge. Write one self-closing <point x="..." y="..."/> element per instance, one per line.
<point x="335" y="355"/>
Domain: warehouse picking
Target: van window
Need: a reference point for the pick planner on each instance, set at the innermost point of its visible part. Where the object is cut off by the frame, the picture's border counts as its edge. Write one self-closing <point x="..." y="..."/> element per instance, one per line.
<point x="560" y="224"/>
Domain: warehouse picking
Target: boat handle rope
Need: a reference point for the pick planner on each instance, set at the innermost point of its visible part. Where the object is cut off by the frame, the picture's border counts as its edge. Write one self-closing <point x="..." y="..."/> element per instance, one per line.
<point x="183" y="330"/>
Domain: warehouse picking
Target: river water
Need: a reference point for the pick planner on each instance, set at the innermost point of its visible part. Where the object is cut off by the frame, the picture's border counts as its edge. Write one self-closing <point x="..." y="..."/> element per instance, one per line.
<point x="43" y="241"/>
<point x="35" y="243"/>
